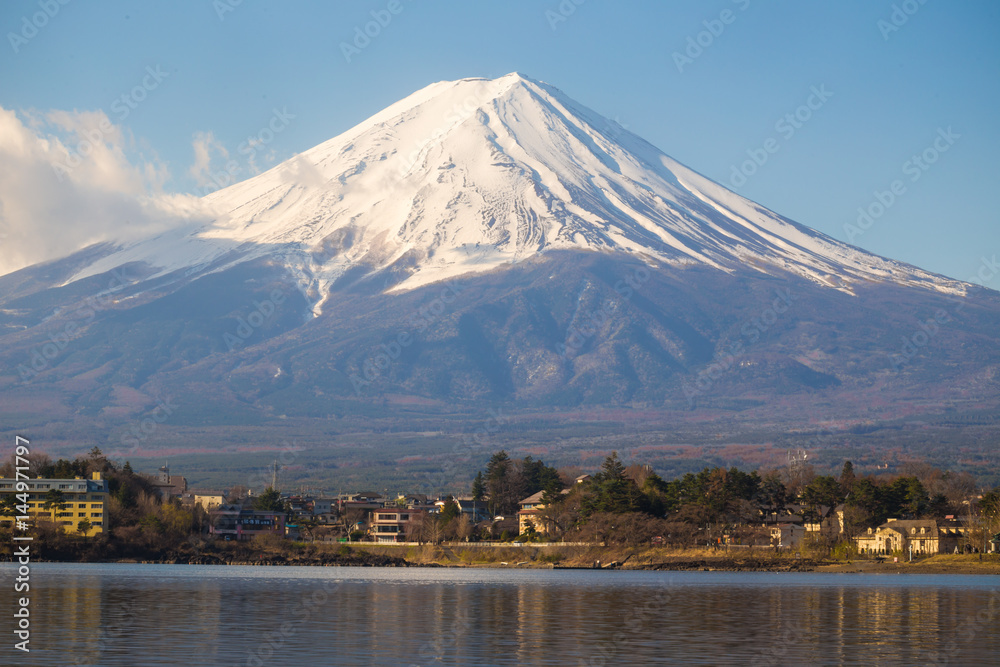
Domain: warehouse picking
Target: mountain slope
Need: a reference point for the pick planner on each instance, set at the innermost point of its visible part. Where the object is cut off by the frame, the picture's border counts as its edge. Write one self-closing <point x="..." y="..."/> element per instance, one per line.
<point x="484" y="245"/>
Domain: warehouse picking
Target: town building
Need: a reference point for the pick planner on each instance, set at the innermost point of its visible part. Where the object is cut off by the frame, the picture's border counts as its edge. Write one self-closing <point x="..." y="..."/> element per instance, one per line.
<point x="414" y="500"/>
<point x="300" y="506"/>
<point x="232" y="522"/>
<point x="787" y="535"/>
<point x="924" y="536"/>
<point x="477" y="510"/>
<point x="395" y="524"/>
<point x="168" y="485"/>
<point x="326" y="511"/>
<point x="502" y="524"/>
<point x="824" y="520"/>
<point x="82" y="499"/>
<point x="208" y="501"/>
<point x="530" y="514"/>
<point x="324" y="506"/>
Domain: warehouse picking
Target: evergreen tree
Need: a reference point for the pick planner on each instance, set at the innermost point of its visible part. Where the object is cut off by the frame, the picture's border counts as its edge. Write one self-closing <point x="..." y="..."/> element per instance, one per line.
<point x="913" y="499"/>
<point x="611" y="490"/>
<point x="450" y="510"/>
<point x="478" y="487"/>
<point x="846" y="478"/>
<point x="536" y="476"/>
<point x="866" y="496"/>
<point x="772" y="491"/>
<point x="269" y="501"/>
<point x="8" y="504"/>
<point x="500" y="484"/>
<point x="823" y="490"/>
<point x="54" y="500"/>
<point x="125" y="495"/>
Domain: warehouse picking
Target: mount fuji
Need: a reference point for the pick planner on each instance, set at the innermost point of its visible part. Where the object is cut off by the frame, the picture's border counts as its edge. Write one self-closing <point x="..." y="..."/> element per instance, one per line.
<point x="483" y="242"/>
<point x="467" y="176"/>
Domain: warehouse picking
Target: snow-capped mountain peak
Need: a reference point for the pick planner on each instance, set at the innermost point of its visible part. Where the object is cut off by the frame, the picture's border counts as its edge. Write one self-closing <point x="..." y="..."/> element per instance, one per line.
<point x="466" y="176"/>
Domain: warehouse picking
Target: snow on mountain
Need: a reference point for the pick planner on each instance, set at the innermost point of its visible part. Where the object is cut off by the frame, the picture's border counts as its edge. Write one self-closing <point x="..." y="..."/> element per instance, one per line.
<point x="466" y="176"/>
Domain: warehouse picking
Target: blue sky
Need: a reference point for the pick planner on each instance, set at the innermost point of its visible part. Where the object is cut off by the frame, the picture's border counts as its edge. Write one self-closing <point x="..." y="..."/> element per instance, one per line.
<point x="896" y="77"/>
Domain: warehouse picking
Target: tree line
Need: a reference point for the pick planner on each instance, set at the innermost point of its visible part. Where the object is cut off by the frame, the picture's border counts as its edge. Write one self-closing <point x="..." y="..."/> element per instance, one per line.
<point x="634" y="503"/>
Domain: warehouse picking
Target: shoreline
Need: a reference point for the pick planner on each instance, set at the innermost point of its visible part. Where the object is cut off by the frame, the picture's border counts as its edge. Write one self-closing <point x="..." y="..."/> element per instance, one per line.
<point x="524" y="559"/>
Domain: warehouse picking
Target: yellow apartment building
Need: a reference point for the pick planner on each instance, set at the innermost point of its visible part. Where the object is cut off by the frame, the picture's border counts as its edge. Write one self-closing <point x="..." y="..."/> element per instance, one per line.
<point x="82" y="499"/>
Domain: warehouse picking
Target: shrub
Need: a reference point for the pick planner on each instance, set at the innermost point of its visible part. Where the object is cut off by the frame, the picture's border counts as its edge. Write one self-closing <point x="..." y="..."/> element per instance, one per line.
<point x="269" y="542"/>
<point x="845" y="550"/>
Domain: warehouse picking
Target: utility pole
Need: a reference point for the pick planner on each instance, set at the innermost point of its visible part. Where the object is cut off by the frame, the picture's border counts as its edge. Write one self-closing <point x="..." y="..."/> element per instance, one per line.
<point x="274" y="475"/>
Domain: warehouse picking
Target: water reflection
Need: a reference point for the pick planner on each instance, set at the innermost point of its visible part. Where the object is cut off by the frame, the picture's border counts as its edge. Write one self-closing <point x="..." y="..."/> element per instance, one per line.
<point x="171" y="615"/>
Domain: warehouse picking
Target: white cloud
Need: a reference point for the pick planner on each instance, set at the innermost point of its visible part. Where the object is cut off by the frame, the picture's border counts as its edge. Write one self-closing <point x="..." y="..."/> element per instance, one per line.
<point x="72" y="178"/>
<point x="204" y="144"/>
<point x="299" y="171"/>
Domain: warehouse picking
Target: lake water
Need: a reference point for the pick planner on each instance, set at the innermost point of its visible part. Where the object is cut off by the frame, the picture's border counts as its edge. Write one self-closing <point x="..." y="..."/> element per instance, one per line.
<point x="129" y="615"/>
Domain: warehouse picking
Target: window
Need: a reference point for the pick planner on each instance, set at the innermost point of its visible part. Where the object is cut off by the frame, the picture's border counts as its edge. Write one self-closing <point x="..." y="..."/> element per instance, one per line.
<point x="82" y="514"/>
<point x="95" y="506"/>
<point x="97" y="514"/>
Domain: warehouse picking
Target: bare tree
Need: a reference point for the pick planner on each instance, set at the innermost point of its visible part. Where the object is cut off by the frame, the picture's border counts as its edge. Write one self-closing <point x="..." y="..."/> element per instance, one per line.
<point x="237" y="494"/>
<point x="350" y="519"/>
<point x="36" y="462"/>
<point x="418" y="528"/>
<point x="639" y="473"/>
<point x="463" y="528"/>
